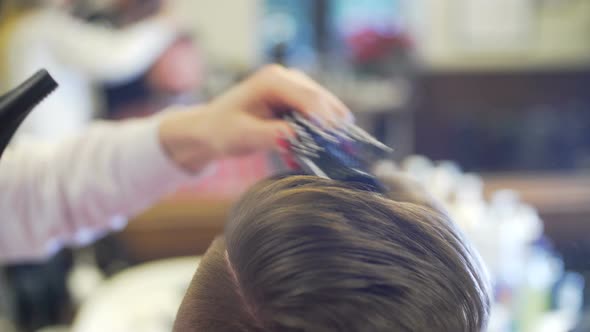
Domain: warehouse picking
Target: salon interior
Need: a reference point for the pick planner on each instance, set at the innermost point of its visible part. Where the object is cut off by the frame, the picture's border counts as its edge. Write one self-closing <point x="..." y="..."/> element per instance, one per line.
<point x="487" y="103"/>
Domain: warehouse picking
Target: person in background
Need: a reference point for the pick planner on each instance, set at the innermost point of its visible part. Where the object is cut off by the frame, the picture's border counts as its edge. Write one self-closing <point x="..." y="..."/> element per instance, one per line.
<point x="176" y="77"/>
<point x="79" y="54"/>
<point x="73" y="191"/>
<point x="180" y="69"/>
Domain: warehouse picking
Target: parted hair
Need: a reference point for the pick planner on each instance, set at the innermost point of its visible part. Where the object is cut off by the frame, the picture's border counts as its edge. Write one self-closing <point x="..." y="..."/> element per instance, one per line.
<point x="308" y="254"/>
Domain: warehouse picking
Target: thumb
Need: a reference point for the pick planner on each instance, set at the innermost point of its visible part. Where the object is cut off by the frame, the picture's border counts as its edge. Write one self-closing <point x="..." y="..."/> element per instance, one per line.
<point x="268" y="134"/>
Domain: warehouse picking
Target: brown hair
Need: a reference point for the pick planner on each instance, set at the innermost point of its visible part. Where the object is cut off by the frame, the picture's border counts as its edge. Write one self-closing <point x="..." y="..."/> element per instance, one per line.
<point x="307" y="254"/>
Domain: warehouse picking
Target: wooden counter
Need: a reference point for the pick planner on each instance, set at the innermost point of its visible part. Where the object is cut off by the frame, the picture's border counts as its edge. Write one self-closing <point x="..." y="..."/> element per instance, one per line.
<point x="563" y="201"/>
<point x="175" y="227"/>
<point x="184" y="225"/>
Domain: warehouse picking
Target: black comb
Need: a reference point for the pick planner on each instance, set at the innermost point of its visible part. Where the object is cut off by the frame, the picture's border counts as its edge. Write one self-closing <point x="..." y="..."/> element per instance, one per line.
<point x="345" y="155"/>
<point x="16" y="104"/>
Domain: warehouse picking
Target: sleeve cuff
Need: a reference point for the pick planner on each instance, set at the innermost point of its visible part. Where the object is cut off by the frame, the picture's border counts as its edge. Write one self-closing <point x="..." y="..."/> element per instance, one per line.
<point x="155" y="170"/>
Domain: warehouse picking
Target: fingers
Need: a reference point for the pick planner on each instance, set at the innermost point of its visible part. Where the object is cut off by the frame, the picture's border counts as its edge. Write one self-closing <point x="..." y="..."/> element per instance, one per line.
<point x="336" y="104"/>
<point x="281" y="87"/>
<point x="271" y="134"/>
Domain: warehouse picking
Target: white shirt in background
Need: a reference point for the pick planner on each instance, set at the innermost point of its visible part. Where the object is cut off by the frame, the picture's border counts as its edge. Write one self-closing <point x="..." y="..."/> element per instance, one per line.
<point x="78" y="55"/>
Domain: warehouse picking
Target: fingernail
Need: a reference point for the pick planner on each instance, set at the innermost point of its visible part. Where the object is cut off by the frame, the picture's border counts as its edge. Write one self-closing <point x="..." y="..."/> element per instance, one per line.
<point x="334" y="124"/>
<point x="345" y="121"/>
<point x="362" y="135"/>
<point x="282" y="146"/>
<point x="285" y="133"/>
<point x="349" y="117"/>
<point x="282" y="150"/>
<point x="316" y="129"/>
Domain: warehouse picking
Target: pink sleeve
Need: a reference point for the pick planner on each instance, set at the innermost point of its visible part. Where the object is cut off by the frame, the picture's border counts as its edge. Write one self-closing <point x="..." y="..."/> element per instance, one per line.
<point x="72" y="192"/>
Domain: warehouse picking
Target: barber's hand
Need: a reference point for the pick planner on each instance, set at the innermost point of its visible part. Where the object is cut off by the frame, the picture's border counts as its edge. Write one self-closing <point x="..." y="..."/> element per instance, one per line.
<point x="243" y="120"/>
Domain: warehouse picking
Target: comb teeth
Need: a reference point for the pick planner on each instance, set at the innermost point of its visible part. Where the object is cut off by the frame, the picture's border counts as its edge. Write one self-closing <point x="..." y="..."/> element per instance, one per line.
<point x="316" y="129"/>
<point x="350" y="132"/>
<point x="19" y="102"/>
<point x="341" y="153"/>
<point x="305" y="148"/>
<point x="361" y="135"/>
<point x="342" y="133"/>
<point x="313" y="167"/>
<point x="305" y="143"/>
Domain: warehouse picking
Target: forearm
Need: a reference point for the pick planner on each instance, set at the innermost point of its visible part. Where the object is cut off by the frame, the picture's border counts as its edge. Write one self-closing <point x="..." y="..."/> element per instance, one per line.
<point x="74" y="191"/>
<point x="51" y="196"/>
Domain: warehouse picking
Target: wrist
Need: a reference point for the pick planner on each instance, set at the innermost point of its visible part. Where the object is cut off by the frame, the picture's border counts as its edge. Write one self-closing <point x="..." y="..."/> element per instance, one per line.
<point x="185" y="138"/>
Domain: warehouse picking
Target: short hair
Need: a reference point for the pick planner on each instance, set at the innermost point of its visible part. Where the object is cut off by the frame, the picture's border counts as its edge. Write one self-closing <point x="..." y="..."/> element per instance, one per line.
<point x="309" y="254"/>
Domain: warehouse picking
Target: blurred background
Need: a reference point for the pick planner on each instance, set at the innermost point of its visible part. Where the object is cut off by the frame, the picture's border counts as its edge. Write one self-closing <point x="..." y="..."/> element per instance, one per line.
<point x="487" y="102"/>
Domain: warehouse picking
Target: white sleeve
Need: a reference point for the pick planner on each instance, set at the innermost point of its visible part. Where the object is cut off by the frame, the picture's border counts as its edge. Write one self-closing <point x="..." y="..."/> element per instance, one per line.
<point x="106" y="54"/>
<point x="72" y="192"/>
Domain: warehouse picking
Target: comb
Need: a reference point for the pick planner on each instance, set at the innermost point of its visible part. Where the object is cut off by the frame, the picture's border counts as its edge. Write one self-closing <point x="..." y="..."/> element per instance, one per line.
<point x="344" y="154"/>
<point x="16" y="104"/>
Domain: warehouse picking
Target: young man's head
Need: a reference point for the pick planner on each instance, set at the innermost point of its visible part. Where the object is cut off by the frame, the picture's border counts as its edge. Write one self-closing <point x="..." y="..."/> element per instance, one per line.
<point x="307" y="254"/>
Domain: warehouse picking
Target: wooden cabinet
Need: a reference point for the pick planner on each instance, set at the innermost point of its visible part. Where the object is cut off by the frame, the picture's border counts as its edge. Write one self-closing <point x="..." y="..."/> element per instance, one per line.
<point x="182" y="226"/>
